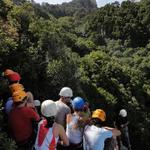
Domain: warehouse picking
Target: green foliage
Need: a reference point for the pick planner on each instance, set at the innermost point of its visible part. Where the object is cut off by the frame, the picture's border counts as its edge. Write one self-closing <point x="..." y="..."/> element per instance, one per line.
<point x="66" y="9"/>
<point x="109" y="97"/>
<point x="120" y="22"/>
<point x="102" y="55"/>
<point x="5" y="142"/>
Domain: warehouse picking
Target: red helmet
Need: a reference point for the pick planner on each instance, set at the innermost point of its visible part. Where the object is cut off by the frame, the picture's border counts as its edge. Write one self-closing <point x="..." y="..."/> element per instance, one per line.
<point x="14" y="77"/>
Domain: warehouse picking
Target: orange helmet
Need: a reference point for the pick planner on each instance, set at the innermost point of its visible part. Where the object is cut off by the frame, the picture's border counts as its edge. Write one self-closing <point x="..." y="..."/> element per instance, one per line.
<point x="8" y="72"/>
<point x="100" y="114"/>
<point x="19" y="96"/>
<point x="16" y="87"/>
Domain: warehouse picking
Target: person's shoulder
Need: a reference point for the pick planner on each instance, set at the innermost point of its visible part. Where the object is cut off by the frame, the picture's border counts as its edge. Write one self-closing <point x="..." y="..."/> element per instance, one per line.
<point x="58" y="102"/>
<point x="58" y="126"/>
<point x="29" y="109"/>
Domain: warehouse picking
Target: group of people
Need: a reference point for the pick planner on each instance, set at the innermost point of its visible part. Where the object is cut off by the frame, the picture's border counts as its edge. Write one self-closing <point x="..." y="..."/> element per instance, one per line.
<point x="65" y="124"/>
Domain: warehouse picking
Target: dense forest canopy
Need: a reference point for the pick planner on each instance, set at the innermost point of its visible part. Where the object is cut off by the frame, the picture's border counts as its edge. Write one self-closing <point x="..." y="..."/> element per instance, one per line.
<point x="103" y="54"/>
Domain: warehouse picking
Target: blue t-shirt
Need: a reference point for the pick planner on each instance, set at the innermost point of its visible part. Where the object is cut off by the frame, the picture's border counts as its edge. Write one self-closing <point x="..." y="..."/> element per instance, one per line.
<point x="8" y="105"/>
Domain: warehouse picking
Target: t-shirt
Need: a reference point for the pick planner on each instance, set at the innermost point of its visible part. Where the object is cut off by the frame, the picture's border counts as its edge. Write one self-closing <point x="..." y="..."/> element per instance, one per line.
<point x="9" y="105"/>
<point x="45" y="139"/>
<point x="74" y="134"/>
<point x="20" y="121"/>
<point x="94" y="137"/>
<point x="62" y="111"/>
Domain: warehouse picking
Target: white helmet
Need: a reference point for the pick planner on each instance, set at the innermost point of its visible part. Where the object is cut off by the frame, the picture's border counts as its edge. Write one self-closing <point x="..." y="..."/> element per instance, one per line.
<point x="48" y="108"/>
<point x="66" y="92"/>
<point x="123" y="113"/>
<point x="37" y="103"/>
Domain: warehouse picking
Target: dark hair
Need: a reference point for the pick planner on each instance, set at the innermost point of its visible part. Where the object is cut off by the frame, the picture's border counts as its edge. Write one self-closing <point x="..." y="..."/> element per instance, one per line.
<point x="50" y="121"/>
<point x="38" y="108"/>
<point x="12" y="82"/>
<point x="76" y="109"/>
<point x="17" y="103"/>
<point x="70" y="106"/>
<point x="96" y="122"/>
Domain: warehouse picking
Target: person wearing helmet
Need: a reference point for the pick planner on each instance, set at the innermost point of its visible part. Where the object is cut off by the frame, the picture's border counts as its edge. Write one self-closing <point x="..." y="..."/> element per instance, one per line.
<point x="5" y="93"/>
<point x="19" y="87"/>
<point x="21" y="120"/>
<point x="14" y="78"/>
<point x="48" y="130"/>
<point x="95" y="133"/>
<point x="16" y="87"/>
<point x="7" y="72"/>
<point x="37" y="105"/>
<point x="75" y="124"/>
<point x="121" y="123"/>
<point x="62" y="108"/>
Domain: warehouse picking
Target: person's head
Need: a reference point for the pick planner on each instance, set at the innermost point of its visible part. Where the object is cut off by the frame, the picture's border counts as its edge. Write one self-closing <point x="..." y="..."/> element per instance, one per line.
<point x="78" y="104"/>
<point x="16" y="87"/>
<point x="66" y="94"/>
<point x="13" y="78"/>
<point x="19" y="97"/>
<point x="98" y="117"/>
<point x="37" y="104"/>
<point x="86" y="107"/>
<point x="123" y="113"/>
<point x="49" y="110"/>
<point x="7" y="72"/>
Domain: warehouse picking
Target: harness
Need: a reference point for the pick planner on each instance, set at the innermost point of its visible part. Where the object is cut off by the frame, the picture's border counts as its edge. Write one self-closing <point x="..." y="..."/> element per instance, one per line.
<point x="45" y="138"/>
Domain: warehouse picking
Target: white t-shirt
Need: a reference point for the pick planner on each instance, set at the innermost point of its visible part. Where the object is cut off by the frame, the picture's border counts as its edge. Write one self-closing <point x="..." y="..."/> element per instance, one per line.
<point x="74" y="134"/>
<point x="94" y="137"/>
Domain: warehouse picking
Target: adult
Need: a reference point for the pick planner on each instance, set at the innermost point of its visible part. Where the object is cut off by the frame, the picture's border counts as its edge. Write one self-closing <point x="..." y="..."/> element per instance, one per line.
<point x="62" y="108"/>
<point x="95" y="133"/>
<point x="21" y="121"/>
<point x="19" y="87"/>
<point x="75" y="124"/>
<point x="5" y="93"/>
<point x="122" y="124"/>
<point x="48" y="130"/>
<point x="13" y="78"/>
<point x="37" y="105"/>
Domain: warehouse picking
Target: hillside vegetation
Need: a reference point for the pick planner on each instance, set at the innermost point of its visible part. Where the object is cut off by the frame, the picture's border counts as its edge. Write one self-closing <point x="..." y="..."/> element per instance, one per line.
<point x="103" y="54"/>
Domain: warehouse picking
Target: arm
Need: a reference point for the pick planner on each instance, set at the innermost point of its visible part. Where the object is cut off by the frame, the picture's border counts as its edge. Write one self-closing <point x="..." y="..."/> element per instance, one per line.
<point x="63" y="136"/>
<point x="33" y="114"/>
<point x="115" y="131"/>
<point x="68" y="118"/>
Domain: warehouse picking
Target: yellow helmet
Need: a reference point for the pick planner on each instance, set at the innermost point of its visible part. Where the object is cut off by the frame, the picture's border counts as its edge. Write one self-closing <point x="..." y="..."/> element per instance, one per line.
<point x="19" y="96"/>
<point x="16" y="87"/>
<point x="100" y="114"/>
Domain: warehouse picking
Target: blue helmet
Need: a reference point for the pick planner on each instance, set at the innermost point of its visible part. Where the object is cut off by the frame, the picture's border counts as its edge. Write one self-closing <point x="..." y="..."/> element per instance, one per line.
<point x="78" y="103"/>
